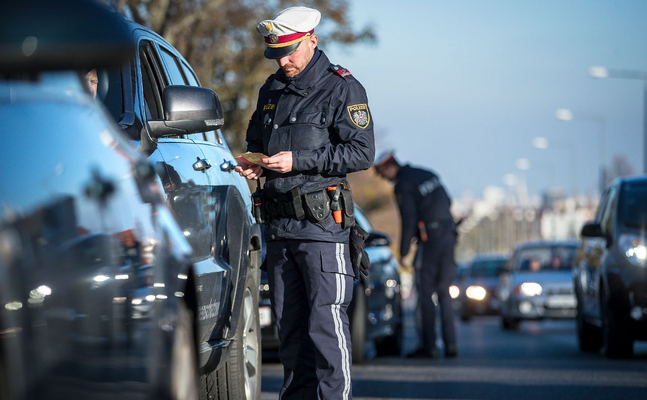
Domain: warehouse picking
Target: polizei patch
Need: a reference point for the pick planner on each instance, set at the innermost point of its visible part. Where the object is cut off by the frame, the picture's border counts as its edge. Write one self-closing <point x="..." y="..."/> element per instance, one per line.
<point x="359" y="115"/>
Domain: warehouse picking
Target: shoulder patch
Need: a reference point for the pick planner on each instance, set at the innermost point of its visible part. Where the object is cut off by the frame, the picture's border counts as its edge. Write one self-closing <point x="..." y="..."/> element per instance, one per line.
<point x="359" y="115"/>
<point x="341" y="71"/>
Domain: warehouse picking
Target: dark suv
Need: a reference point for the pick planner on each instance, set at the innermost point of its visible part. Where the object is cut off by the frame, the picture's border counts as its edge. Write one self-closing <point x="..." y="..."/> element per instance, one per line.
<point x="610" y="271"/>
<point x="122" y="272"/>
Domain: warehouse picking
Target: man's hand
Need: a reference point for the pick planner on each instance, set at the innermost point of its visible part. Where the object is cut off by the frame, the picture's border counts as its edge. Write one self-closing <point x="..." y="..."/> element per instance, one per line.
<point x="249" y="171"/>
<point x="280" y="162"/>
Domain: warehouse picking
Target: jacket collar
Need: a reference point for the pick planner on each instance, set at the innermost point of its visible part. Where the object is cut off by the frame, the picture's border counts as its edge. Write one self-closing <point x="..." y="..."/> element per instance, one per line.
<point x="304" y="83"/>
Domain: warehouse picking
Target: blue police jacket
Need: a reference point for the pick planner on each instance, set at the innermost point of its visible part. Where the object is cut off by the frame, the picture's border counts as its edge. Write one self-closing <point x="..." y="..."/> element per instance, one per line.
<point x="421" y="197"/>
<point x="323" y="118"/>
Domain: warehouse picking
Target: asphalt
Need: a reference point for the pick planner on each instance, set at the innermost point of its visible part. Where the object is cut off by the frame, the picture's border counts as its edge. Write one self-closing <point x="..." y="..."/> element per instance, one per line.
<point x="540" y="361"/>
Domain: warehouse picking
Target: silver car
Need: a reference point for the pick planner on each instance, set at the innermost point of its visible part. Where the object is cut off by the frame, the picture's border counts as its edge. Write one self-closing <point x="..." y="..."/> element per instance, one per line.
<point x="538" y="283"/>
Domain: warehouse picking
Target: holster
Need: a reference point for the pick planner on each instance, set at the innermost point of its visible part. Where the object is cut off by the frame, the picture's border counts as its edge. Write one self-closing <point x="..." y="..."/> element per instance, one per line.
<point x="317" y="206"/>
<point x="348" y="206"/>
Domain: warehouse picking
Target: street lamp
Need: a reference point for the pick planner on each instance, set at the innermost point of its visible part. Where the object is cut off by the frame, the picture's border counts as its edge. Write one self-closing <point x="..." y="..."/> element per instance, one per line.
<point x="603" y="72"/>
<point x="564" y="114"/>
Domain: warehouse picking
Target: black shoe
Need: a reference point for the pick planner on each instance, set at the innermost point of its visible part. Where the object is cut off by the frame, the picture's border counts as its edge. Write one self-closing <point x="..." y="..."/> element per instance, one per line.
<point x="422" y="353"/>
<point x="450" y="351"/>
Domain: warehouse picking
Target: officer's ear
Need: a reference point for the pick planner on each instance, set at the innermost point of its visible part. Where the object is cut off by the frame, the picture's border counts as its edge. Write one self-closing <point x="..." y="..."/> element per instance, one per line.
<point x="312" y="41"/>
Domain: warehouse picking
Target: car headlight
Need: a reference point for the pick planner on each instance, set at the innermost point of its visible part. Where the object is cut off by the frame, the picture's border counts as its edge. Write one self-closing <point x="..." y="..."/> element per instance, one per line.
<point x="634" y="249"/>
<point x="531" y="289"/>
<point x="475" y="292"/>
<point x="454" y="291"/>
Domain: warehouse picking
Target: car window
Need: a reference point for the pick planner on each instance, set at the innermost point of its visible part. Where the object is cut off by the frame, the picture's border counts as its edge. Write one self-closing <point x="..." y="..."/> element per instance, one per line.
<point x="152" y="81"/>
<point x="193" y="81"/>
<point x="603" y="202"/>
<point x="110" y="91"/>
<point x="486" y="268"/>
<point x="175" y="76"/>
<point x="632" y="209"/>
<point x="545" y="258"/>
<point x="608" y="215"/>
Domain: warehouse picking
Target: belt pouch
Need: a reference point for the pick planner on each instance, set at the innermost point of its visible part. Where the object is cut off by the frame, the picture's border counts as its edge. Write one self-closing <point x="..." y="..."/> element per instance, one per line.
<point x="299" y="212"/>
<point x="317" y="206"/>
<point x="348" y="205"/>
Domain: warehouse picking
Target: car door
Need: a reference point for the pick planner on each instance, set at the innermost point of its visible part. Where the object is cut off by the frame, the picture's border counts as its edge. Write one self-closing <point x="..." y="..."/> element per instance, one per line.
<point x="183" y="169"/>
<point x="229" y="198"/>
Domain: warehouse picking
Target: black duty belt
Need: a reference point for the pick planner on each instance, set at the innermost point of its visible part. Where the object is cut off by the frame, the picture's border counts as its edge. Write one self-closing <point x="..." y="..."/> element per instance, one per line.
<point x="316" y="206"/>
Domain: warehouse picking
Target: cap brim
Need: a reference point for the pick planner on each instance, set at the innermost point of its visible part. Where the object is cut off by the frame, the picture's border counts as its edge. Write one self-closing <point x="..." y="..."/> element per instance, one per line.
<point x="274" y="53"/>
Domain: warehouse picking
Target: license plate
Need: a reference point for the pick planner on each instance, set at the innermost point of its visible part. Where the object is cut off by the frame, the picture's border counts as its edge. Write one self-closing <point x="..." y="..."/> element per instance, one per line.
<point x="265" y="315"/>
<point x="562" y="301"/>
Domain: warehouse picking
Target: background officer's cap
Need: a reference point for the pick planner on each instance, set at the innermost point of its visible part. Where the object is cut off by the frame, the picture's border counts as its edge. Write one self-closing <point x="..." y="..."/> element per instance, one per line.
<point x="384" y="159"/>
<point x="290" y="27"/>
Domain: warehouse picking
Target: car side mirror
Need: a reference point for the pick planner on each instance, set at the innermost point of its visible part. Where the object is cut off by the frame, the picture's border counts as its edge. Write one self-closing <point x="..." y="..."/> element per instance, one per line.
<point x="592" y="230"/>
<point x="188" y="109"/>
<point x="377" y="239"/>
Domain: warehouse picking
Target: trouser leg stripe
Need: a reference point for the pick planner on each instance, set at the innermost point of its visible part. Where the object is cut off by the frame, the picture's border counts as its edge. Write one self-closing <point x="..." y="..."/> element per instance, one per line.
<point x="336" y="314"/>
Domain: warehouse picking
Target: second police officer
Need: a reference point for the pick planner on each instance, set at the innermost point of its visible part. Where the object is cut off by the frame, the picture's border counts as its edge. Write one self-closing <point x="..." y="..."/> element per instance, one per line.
<point x="313" y="123"/>
<point x="425" y="213"/>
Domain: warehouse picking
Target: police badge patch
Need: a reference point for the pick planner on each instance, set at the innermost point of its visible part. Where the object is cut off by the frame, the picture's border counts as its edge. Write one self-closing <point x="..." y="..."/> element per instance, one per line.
<point x="359" y="115"/>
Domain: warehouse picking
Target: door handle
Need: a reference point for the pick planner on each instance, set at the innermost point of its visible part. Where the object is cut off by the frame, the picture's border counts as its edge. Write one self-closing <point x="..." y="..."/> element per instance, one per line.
<point x="227" y="166"/>
<point x="201" y="165"/>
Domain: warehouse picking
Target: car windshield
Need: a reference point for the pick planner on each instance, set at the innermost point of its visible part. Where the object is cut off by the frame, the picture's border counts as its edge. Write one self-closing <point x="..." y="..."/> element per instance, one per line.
<point x="633" y="205"/>
<point x="548" y="258"/>
<point x="486" y="268"/>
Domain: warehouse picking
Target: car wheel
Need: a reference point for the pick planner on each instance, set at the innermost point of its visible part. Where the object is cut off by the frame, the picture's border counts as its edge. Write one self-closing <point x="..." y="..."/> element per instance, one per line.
<point x="240" y="378"/>
<point x="392" y="345"/>
<point x="588" y="336"/>
<point x="616" y="342"/>
<point x="358" y="324"/>
<point x="184" y="366"/>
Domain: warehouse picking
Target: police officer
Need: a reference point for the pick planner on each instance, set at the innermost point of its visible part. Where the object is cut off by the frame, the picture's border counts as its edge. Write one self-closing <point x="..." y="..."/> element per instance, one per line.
<point x="424" y="209"/>
<point x="313" y="123"/>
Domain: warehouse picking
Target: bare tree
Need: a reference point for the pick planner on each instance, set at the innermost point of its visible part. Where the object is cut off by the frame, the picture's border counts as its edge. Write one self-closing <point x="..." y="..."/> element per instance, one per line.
<point x="619" y="167"/>
<point x="219" y="39"/>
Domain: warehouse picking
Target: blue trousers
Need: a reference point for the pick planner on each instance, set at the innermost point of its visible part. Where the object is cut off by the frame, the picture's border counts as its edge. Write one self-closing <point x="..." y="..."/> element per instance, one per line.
<point x="311" y="285"/>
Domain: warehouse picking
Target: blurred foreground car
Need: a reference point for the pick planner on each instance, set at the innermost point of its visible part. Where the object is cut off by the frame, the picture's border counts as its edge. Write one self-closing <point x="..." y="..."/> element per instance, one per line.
<point x="478" y="286"/>
<point x="375" y="313"/>
<point x="610" y="272"/>
<point x="538" y="283"/>
<point x="104" y="294"/>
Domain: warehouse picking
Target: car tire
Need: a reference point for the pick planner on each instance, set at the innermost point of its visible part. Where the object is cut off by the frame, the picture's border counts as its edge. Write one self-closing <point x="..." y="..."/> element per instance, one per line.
<point x="358" y="324"/>
<point x="589" y="336"/>
<point x="617" y="342"/>
<point x="184" y="365"/>
<point x="392" y="345"/>
<point x="240" y="378"/>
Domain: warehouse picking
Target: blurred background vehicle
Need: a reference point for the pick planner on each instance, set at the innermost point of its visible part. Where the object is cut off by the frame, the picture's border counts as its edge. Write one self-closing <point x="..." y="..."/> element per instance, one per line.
<point x="116" y="273"/>
<point x="375" y="312"/>
<point x="538" y="283"/>
<point x="610" y="271"/>
<point x="478" y="284"/>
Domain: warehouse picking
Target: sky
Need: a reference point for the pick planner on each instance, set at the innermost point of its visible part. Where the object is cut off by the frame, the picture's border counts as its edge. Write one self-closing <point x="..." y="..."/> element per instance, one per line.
<point x="463" y="86"/>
